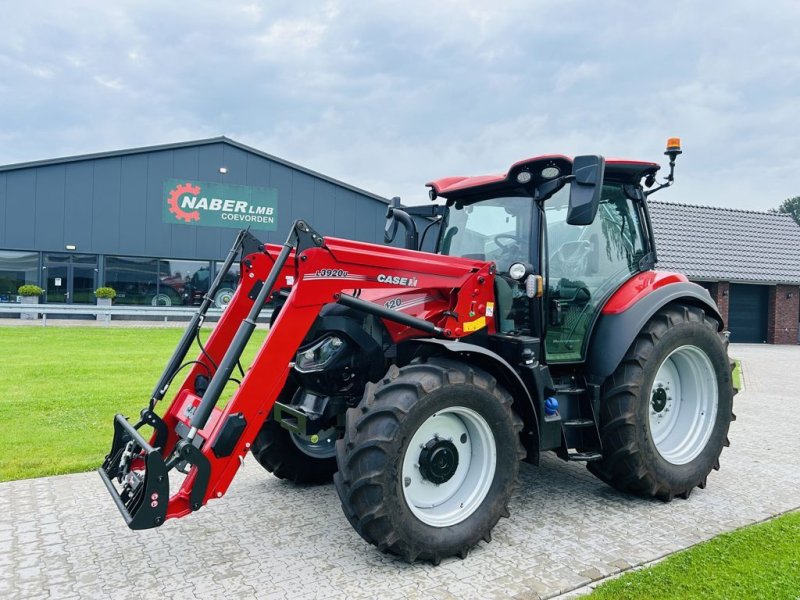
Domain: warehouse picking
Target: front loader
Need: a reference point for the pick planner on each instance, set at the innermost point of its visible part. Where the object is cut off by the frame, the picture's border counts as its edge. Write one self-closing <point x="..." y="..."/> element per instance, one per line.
<point x="417" y="381"/>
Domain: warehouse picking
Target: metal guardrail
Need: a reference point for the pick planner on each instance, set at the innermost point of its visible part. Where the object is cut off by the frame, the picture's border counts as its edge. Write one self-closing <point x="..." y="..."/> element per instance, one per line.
<point x="146" y="312"/>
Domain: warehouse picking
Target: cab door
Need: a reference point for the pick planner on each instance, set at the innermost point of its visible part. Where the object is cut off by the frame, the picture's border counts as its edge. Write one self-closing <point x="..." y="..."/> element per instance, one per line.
<point x="585" y="265"/>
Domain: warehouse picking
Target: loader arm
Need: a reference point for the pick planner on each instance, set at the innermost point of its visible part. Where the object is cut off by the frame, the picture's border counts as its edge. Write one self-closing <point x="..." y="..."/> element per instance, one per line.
<point x="207" y="443"/>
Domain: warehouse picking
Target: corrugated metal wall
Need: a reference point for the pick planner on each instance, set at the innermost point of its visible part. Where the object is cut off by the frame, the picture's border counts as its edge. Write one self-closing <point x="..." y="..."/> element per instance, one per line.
<point x="113" y="205"/>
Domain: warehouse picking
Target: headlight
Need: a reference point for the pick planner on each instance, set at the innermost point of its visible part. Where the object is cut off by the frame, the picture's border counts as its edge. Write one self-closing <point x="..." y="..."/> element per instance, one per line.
<point x="319" y="355"/>
<point x="517" y="271"/>
<point x="550" y="172"/>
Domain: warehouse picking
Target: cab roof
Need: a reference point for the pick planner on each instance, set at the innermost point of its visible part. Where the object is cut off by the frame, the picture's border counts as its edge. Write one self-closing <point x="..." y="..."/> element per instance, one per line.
<point x="452" y="188"/>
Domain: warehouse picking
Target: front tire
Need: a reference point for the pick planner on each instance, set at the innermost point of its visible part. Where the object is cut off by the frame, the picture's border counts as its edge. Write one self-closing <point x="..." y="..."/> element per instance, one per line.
<point x="666" y="410"/>
<point x="429" y="460"/>
<point x="300" y="459"/>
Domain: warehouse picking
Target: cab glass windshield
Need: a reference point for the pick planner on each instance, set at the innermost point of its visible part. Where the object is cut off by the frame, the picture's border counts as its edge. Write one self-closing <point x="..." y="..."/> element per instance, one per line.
<point x="497" y="229"/>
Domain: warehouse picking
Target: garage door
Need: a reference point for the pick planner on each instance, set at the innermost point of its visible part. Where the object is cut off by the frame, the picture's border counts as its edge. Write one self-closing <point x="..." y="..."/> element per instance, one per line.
<point x="747" y="313"/>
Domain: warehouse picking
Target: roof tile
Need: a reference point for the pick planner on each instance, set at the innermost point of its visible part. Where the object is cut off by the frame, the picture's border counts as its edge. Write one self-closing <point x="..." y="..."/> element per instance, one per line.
<point x="708" y="242"/>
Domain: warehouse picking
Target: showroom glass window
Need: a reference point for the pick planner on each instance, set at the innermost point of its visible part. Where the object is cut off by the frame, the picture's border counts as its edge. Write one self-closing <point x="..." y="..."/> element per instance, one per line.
<point x="154" y="281"/>
<point x="16" y="269"/>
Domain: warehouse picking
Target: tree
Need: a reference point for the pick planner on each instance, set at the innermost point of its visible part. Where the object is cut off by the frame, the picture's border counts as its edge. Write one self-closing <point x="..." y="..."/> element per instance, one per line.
<point x="790" y="206"/>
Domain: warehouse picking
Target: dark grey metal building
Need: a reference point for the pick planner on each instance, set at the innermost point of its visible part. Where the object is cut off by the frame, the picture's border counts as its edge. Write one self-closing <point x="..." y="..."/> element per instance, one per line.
<point x="152" y="222"/>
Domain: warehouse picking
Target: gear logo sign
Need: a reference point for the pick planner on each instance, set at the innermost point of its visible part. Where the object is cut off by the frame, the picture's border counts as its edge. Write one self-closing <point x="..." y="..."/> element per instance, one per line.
<point x="173" y="201"/>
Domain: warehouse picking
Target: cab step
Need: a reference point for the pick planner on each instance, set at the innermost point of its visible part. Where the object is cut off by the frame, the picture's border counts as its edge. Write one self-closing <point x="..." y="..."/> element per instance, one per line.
<point x="567" y="389"/>
<point x="578" y="423"/>
<point x="585" y="456"/>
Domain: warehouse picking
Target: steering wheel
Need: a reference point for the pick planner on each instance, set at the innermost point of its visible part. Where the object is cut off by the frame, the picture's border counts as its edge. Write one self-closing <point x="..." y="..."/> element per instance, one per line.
<point x="572" y="259"/>
<point x="506" y="236"/>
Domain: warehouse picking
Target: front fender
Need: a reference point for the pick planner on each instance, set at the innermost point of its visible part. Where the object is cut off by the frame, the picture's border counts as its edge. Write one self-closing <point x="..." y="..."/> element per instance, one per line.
<point x="615" y="331"/>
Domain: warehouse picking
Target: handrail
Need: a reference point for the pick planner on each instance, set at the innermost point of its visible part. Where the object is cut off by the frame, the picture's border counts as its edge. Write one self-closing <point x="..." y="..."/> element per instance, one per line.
<point x="93" y="309"/>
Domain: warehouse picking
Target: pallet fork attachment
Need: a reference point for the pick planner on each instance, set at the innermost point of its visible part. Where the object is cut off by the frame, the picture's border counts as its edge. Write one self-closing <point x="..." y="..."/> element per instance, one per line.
<point x="208" y="444"/>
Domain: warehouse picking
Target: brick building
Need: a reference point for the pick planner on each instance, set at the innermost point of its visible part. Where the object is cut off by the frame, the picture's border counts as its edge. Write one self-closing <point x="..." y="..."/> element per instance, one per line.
<point x="748" y="260"/>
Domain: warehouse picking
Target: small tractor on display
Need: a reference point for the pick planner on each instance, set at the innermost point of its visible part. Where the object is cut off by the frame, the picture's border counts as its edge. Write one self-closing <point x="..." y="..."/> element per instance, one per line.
<point x="417" y="381"/>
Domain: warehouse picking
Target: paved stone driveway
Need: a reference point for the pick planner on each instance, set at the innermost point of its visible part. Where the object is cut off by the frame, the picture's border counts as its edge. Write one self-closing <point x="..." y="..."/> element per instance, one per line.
<point x="63" y="537"/>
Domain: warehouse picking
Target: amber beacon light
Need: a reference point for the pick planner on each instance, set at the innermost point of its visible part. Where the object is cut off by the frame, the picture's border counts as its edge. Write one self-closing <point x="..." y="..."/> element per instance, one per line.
<point x="673" y="147"/>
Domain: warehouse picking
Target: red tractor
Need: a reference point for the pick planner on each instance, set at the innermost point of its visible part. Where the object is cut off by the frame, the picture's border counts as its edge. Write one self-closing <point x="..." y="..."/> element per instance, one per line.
<point x="417" y="381"/>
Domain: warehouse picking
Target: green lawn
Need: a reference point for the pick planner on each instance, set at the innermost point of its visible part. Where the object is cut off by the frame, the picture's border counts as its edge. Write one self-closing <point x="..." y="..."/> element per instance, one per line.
<point x="761" y="561"/>
<point x="61" y="386"/>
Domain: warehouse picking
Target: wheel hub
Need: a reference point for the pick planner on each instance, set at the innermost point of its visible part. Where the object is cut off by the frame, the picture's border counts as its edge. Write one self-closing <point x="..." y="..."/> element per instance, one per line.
<point x="659" y="400"/>
<point x="438" y="460"/>
<point x="320" y="445"/>
<point x="449" y="466"/>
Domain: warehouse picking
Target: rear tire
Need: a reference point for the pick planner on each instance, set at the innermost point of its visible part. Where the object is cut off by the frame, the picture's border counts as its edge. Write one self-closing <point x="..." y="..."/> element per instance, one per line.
<point x="429" y="460"/>
<point x="288" y="456"/>
<point x="666" y="410"/>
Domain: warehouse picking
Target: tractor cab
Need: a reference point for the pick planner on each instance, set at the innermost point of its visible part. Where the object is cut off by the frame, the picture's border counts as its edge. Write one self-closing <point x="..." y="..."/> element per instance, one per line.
<point x="564" y="234"/>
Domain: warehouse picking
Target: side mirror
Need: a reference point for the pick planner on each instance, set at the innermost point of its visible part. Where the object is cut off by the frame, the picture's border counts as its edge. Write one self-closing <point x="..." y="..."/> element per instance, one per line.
<point x="586" y="189"/>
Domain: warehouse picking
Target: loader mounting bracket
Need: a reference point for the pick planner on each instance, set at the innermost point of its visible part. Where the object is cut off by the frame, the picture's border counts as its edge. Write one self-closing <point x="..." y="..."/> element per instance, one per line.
<point x="307" y="238"/>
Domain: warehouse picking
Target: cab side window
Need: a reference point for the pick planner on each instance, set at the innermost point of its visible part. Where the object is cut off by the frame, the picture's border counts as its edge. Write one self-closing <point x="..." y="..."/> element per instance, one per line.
<point x="587" y="264"/>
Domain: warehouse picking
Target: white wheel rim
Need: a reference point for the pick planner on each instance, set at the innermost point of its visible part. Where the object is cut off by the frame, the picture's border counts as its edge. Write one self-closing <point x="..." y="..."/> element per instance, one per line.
<point x="161" y="300"/>
<point x="683" y="405"/>
<point x="457" y="498"/>
<point x="322" y="445"/>
<point x="223" y="298"/>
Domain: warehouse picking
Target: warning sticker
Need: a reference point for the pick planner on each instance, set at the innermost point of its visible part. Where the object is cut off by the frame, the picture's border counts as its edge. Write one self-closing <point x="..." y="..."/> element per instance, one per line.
<point x="475" y="325"/>
<point x="490" y="309"/>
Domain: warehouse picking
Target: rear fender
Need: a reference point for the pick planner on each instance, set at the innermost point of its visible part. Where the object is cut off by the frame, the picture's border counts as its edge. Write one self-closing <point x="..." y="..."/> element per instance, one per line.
<point x="614" y="332"/>
<point x="505" y="374"/>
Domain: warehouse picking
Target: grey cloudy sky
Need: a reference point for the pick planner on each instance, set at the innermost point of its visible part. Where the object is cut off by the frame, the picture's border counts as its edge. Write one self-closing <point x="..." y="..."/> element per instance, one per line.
<point x="387" y="96"/>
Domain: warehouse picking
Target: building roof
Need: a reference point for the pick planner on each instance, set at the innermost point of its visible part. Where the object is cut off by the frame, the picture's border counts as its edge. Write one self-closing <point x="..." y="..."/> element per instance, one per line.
<point x="204" y="142"/>
<point x="725" y="244"/>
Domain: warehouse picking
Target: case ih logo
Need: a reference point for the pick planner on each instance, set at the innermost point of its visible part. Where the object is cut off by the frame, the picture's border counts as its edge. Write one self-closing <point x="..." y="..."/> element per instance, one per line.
<point x="218" y="205"/>
<point x="397" y="280"/>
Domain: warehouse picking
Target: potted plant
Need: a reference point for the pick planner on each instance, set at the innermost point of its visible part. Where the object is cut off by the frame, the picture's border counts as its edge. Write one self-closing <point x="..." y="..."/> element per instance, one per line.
<point x="30" y="295"/>
<point x="104" y="297"/>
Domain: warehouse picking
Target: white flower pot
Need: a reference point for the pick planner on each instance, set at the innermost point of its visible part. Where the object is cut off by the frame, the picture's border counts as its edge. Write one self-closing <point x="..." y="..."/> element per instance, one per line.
<point x="104" y="302"/>
<point x="28" y="314"/>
